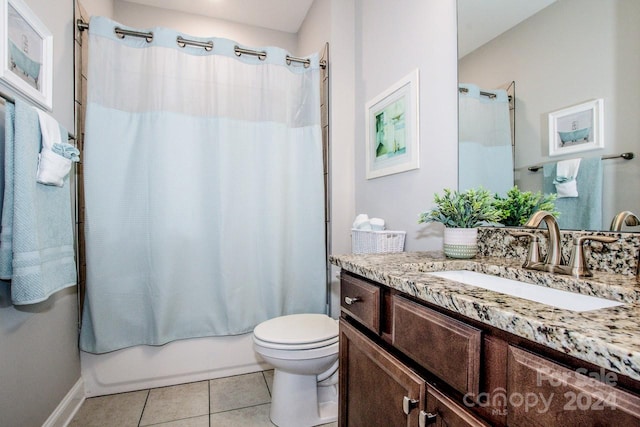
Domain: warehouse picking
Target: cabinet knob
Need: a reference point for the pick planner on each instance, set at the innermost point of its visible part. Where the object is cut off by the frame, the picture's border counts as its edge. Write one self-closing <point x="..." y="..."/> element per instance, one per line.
<point x="408" y="404"/>
<point x="352" y="300"/>
<point x="427" y="418"/>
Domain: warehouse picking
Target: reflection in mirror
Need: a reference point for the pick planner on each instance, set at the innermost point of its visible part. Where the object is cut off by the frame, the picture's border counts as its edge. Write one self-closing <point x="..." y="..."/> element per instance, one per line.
<point x="565" y="53"/>
<point x="485" y="132"/>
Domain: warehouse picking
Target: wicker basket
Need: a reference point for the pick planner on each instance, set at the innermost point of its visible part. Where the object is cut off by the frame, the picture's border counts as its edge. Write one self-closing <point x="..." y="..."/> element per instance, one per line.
<point x="375" y="242"/>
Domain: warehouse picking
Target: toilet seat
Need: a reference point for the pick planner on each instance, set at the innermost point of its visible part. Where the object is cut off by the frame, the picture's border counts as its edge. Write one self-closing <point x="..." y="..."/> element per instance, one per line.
<point x="297" y="332"/>
<point x="294" y="347"/>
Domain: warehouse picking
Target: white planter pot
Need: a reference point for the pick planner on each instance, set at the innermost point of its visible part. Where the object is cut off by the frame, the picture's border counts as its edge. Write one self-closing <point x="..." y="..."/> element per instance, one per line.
<point x="460" y="242"/>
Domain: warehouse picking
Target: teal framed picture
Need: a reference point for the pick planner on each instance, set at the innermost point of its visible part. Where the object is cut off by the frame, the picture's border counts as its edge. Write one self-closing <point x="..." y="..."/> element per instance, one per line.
<point x="577" y="128"/>
<point x="392" y="131"/>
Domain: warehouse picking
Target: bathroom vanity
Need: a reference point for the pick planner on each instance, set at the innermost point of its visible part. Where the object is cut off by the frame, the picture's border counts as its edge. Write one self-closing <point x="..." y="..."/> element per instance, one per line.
<point x="417" y="349"/>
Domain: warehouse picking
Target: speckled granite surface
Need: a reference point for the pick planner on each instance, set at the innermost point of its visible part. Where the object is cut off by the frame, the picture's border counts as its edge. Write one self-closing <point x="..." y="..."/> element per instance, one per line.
<point x="607" y="337"/>
<point x="620" y="257"/>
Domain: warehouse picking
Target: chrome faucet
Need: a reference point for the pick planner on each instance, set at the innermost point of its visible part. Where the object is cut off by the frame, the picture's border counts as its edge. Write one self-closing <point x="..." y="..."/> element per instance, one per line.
<point x="624" y="218"/>
<point x="554" y="253"/>
<point x="577" y="266"/>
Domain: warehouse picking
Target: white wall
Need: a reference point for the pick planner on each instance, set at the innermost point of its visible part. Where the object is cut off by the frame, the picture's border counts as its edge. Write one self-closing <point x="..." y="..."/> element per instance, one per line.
<point x="99" y="7"/>
<point x="556" y="64"/>
<point x="39" y="361"/>
<point x="141" y="16"/>
<point x="392" y="39"/>
<point x="332" y="21"/>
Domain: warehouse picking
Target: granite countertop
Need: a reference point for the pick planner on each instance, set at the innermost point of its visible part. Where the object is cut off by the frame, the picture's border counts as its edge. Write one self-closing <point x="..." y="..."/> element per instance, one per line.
<point x="608" y="337"/>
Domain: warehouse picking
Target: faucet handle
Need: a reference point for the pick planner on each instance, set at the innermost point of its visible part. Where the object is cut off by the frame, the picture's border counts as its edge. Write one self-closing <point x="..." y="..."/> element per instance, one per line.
<point x="533" y="256"/>
<point x="578" y="263"/>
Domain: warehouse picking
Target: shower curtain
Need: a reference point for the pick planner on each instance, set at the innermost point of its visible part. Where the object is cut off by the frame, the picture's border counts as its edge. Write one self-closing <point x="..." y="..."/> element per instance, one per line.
<point x="204" y="189"/>
<point x="484" y="134"/>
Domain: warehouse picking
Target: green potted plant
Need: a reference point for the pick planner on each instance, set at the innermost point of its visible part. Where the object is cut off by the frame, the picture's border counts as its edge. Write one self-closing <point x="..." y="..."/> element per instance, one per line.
<point x="518" y="206"/>
<point x="461" y="213"/>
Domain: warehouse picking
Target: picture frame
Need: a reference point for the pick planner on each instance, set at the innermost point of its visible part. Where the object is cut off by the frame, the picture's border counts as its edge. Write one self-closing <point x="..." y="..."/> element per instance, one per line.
<point x="577" y="128"/>
<point x="26" y="53"/>
<point x="392" y="130"/>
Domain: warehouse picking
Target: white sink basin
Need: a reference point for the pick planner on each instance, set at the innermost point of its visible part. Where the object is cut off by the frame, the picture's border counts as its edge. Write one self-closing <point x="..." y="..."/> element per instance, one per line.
<point x="549" y="296"/>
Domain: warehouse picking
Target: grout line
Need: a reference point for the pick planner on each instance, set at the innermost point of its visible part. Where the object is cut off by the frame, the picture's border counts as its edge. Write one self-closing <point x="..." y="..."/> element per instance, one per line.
<point x="144" y="406"/>
<point x="209" y="404"/>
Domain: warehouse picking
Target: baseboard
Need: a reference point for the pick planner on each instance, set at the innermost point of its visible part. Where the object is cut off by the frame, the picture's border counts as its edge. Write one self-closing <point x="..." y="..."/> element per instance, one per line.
<point x="64" y="412"/>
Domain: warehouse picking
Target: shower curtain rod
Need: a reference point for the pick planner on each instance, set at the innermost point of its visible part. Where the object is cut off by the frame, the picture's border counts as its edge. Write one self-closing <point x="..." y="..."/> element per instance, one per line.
<point x="626" y="156"/>
<point x="489" y="94"/>
<point x="8" y="98"/>
<point x="182" y="42"/>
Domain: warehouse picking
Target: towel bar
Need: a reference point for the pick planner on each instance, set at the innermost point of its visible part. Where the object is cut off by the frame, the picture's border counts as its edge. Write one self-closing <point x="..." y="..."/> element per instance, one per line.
<point x="626" y="156"/>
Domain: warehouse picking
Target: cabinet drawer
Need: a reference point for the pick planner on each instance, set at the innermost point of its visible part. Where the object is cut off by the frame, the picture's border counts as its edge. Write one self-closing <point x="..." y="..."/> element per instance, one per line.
<point x="362" y="301"/>
<point x="449" y="413"/>
<point x="445" y="346"/>
<point x="541" y="392"/>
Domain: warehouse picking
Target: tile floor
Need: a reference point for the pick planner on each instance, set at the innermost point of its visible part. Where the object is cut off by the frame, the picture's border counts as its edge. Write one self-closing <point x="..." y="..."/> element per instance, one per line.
<point x="241" y="400"/>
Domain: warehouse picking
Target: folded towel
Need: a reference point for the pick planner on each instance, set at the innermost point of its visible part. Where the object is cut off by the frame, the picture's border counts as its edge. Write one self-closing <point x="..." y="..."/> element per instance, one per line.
<point x="52" y="167"/>
<point x="585" y="211"/>
<point x="36" y="242"/>
<point x="566" y="178"/>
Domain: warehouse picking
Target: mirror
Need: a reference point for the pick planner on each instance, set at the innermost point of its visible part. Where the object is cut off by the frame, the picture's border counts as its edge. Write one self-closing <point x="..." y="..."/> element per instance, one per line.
<point x="560" y="54"/>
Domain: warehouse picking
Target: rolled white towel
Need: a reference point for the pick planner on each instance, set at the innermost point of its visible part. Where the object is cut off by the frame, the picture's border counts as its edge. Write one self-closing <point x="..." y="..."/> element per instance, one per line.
<point x="377" y="224"/>
<point x="566" y="178"/>
<point x="362" y="222"/>
<point x="52" y="167"/>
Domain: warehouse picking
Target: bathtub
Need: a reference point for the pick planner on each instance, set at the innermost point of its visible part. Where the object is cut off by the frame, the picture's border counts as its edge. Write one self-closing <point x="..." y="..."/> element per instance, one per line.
<point x="178" y="362"/>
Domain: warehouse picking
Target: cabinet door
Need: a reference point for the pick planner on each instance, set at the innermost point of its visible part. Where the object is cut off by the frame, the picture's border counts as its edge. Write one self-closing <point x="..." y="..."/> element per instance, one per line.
<point x="449" y="413"/>
<point x="374" y="384"/>
<point x="543" y="393"/>
<point x="443" y="345"/>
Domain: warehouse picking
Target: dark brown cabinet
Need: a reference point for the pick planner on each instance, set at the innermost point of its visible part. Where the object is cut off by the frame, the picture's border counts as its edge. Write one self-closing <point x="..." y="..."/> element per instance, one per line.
<point x="445" y="346"/>
<point x="375" y="387"/>
<point x="407" y="363"/>
<point x="541" y="392"/>
<point x="447" y="413"/>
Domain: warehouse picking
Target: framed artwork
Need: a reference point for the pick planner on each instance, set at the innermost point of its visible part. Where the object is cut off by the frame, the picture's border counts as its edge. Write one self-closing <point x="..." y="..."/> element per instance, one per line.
<point x="26" y="53"/>
<point x="392" y="137"/>
<point x="578" y="128"/>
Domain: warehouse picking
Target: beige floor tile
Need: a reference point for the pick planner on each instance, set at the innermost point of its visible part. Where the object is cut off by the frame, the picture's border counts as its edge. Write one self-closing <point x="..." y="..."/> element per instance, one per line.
<point x="254" y="416"/>
<point x="117" y="410"/>
<point x="238" y="392"/>
<point x="268" y="377"/>
<point x="335" y="424"/>
<point x="176" y="403"/>
<point x="202" y="421"/>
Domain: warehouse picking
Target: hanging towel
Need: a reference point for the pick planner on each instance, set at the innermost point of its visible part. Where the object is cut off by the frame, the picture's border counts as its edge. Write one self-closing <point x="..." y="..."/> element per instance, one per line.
<point x="36" y="243"/>
<point x="585" y="211"/>
<point x="53" y="167"/>
<point x="566" y="178"/>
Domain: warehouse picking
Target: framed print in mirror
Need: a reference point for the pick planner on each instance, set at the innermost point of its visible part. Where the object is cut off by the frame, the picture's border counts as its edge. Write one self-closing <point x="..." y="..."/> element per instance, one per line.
<point x="577" y="128"/>
<point x="392" y="137"/>
<point x="26" y="53"/>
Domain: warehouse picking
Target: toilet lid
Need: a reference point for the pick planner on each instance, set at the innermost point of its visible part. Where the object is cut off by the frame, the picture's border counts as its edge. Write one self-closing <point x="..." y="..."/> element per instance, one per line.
<point x="297" y="329"/>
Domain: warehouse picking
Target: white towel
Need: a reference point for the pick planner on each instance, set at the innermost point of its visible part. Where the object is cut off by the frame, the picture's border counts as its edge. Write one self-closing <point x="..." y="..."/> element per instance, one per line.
<point x="362" y="222"/>
<point x="52" y="167"/>
<point x="566" y="178"/>
<point x="377" y="224"/>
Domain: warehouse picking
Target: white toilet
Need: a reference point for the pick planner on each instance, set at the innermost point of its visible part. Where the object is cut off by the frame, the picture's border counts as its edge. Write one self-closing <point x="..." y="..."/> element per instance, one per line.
<point x="303" y="349"/>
